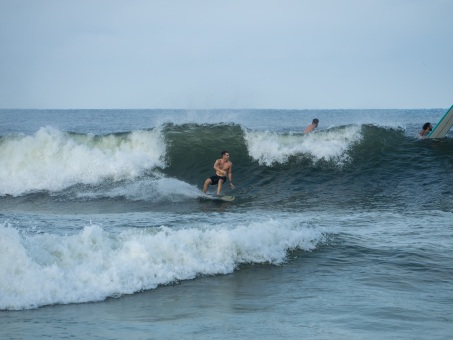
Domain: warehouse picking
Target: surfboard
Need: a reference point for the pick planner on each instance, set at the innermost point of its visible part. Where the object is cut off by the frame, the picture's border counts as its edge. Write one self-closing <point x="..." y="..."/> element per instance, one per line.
<point x="224" y="198"/>
<point x="445" y="123"/>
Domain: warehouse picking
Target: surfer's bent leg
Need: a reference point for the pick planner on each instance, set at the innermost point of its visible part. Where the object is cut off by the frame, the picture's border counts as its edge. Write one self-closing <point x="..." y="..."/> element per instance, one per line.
<point x="206" y="184"/>
<point x="219" y="186"/>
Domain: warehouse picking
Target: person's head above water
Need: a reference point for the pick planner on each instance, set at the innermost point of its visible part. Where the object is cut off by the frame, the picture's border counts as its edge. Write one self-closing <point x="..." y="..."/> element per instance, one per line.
<point x="426" y="126"/>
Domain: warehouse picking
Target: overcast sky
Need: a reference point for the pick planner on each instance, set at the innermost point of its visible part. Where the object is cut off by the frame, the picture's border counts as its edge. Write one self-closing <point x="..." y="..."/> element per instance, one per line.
<point x="203" y="54"/>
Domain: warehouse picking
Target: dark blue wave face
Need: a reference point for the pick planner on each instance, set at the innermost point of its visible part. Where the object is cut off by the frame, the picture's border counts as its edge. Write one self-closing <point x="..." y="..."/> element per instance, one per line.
<point x="383" y="168"/>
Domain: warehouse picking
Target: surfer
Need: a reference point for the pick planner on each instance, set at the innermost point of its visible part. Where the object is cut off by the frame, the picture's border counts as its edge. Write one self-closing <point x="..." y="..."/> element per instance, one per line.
<point x="426" y="129"/>
<point x="223" y="169"/>
<point x="312" y="126"/>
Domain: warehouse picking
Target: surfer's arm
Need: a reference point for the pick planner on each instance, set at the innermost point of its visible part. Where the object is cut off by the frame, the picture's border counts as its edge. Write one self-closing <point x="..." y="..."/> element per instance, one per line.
<point x="230" y="176"/>
<point x="219" y="171"/>
<point x="216" y="168"/>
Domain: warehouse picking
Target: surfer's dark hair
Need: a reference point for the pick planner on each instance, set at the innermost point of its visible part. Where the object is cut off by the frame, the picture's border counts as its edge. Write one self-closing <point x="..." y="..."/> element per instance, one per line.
<point x="426" y="125"/>
<point x="315" y="121"/>
<point x="223" y="152"/>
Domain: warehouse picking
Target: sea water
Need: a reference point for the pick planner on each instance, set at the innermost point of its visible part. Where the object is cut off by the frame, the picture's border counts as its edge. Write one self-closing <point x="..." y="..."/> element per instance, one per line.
<point x="344" y="233"/>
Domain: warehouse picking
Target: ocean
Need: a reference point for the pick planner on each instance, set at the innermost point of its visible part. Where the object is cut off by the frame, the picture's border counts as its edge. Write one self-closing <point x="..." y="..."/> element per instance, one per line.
<point x="343" y="233"/>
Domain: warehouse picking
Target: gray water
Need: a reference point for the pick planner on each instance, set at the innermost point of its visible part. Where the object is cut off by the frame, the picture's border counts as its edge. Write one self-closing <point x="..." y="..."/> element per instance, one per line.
<point x="348" y="237"/>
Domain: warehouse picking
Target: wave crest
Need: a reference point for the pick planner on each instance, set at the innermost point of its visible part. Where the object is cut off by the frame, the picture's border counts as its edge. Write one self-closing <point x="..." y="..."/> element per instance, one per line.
<point x="54" y="160"/>
<point x="43" y="269"/>
<point x="330" y="145"/>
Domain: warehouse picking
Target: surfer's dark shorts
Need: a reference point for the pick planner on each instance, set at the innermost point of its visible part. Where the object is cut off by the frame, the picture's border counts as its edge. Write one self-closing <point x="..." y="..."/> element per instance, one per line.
<point x="215" y="179"/>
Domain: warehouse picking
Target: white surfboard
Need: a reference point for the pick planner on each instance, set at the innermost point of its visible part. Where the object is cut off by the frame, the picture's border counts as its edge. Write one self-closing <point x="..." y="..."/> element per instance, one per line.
<point x="445" y="123"/>
<point x="224" y="198"/>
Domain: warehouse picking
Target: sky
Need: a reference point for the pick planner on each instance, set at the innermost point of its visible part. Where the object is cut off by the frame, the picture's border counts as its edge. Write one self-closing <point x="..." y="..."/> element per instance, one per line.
<point x="237" y="54"/>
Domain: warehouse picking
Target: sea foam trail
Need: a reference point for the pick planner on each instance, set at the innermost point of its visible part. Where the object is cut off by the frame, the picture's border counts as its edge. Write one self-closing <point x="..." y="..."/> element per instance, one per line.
<point x="54" y="160"/>
<point x="156" y="189"/>
<point x="43" y="269"/>
<point x="330" y="145"/>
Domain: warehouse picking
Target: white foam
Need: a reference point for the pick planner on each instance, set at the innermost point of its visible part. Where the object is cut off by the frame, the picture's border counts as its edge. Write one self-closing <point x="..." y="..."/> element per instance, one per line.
<point x="53" y="160"/>
<point x="330" y="145"/>
<point x="155" y="189"/>
<point x="42" y="269"/>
